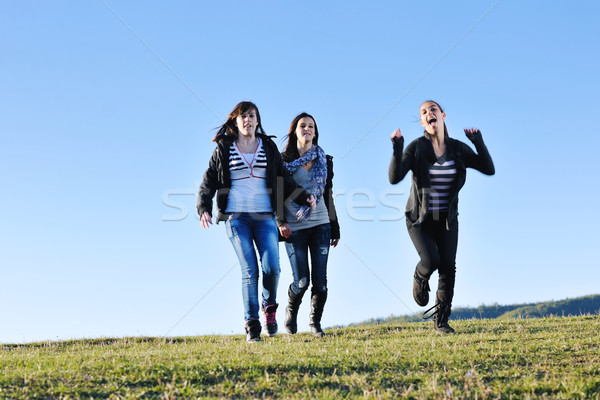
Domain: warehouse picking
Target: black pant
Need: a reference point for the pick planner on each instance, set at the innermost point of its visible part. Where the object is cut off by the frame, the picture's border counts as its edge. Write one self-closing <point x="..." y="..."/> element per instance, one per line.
<point x="436" y="244"/>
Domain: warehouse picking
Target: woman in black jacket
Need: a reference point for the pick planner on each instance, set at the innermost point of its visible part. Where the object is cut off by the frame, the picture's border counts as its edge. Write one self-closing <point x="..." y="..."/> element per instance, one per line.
<point x="246" y="171"/>
<point x="309" y="230"/>
<point x="438" y="164"/>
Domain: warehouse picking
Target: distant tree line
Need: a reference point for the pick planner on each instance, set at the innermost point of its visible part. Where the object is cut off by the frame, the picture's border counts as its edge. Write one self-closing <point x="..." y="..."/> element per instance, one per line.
<point x="586" y="305"/>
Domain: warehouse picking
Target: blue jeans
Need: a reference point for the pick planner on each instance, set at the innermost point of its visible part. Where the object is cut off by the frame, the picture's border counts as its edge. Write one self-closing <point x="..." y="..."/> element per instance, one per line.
<point x="244" y="231"/>
<point x="317" y="240"/>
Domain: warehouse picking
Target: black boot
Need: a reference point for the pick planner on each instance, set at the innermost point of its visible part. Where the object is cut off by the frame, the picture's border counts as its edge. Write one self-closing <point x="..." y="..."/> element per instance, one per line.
<point x="291" y="312"/>
<point x="440" y="320"/>
<point x="444" y="296"/>
<point x="440" y="317"/>
<point x="317" y="303"/>
<point x="420" y="290"/>
<point x="253" y="331"/>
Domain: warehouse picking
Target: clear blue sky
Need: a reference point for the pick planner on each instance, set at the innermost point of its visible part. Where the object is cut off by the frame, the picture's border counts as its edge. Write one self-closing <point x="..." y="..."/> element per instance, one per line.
<point x="107" y="112"/>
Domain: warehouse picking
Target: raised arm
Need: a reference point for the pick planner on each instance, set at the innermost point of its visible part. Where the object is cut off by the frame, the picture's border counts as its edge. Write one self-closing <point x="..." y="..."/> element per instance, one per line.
<point x="402" y="161"/>
<point x="481" y="161"/>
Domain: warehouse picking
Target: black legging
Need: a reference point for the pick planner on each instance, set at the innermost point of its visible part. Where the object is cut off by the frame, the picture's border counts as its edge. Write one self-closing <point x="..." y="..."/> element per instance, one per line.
<point x="436" y="244"/>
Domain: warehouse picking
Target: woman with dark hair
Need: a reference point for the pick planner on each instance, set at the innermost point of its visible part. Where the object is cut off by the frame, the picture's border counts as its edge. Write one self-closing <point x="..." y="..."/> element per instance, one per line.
<point x="308" y="230"/>
<point x="438" y="164"/>
<point x="246" y="171"/>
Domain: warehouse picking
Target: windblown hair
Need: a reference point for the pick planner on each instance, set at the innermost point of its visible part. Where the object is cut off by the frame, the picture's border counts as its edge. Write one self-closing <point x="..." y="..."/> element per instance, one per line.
<point x="229" y="129"/>
<point x="290" y="153"/>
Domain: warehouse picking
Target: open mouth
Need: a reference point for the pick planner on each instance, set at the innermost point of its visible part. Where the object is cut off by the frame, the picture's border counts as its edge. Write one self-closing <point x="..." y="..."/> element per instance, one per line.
<point x="432" y="121"/>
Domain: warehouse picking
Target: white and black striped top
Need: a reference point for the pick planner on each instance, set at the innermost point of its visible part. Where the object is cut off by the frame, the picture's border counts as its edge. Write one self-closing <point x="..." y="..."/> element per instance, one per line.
<point x="244" y="166"/>
<point x="442" y="175"/>
<point x="248" y="181"/>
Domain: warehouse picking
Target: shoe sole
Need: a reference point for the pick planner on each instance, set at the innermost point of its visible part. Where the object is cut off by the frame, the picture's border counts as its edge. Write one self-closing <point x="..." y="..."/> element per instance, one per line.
<point x="422" y="303"/>
<point x="273" y="331"/>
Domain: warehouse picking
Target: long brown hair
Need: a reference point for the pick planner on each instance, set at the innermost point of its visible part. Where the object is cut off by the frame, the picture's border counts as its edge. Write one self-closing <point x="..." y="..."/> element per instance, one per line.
<point x="290" y="153"/>
<point x="442" y="110"/>
<point x="229" y="129"/>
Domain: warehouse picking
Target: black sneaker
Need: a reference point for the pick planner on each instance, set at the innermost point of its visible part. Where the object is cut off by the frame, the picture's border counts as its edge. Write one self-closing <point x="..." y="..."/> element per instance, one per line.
<point x="271" y="322"/>
<point x="253" y="331"/>
<point x="421" y="290"/>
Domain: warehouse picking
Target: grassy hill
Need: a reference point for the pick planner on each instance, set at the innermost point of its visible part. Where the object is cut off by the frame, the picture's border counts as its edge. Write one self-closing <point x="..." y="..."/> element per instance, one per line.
<point x="570" y="307"/>
<point x="557" y="358"/>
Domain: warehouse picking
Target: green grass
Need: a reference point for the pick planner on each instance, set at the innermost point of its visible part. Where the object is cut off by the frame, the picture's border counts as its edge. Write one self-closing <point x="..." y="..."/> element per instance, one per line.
<point x="554" y="358"/>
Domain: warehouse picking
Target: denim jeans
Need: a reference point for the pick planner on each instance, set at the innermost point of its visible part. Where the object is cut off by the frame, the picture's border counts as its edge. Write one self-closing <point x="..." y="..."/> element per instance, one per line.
<point x="245" y="230"/>
<point x="317" y="240"/>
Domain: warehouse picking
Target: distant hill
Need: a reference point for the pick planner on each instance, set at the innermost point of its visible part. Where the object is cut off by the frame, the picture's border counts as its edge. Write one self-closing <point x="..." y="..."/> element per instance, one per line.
<point x="568" y="307"/>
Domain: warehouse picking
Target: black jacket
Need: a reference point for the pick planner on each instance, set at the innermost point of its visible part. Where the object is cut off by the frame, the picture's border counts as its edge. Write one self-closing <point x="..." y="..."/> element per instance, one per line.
<point x="217" y="178"/>
<point x="419" y="156"/>
<point x="328" y="199"/>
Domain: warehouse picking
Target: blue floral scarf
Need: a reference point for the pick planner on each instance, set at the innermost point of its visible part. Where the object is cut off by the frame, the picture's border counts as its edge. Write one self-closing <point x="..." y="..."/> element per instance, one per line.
<point x="318" y="175"/>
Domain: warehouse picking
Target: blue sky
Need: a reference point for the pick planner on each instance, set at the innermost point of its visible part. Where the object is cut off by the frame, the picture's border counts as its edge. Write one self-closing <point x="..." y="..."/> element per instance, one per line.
<point x="107" y="111"/>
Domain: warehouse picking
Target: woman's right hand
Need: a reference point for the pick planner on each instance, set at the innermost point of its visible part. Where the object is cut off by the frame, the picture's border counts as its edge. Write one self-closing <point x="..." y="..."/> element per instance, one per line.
<point x="205" y="220"/>
<point x="396" y="134"/>
<point x="312" y="202"/>
<point x="285" y="231"/>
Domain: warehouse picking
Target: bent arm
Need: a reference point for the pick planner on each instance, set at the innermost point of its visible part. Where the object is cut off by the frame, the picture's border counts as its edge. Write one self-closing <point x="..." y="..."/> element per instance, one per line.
<point x="481" y="161"/>
<point x="290" y="188"/>
<point x="402" y="161"/>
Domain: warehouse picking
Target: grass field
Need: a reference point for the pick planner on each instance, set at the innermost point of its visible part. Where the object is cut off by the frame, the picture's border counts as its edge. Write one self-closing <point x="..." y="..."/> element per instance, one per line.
<point x="554" y="358"/>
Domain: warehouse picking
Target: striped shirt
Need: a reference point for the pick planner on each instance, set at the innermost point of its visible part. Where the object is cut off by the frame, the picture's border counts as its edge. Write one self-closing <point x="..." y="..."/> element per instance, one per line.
<point x="442" y="175"/>
<point x="248" y="181"/>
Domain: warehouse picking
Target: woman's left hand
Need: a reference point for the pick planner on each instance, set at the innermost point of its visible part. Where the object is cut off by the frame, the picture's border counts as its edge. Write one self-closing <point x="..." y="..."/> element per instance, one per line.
<point x="473" y="133"/>
<point x="334" y="242"/>
<point x="312" y="202"/>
